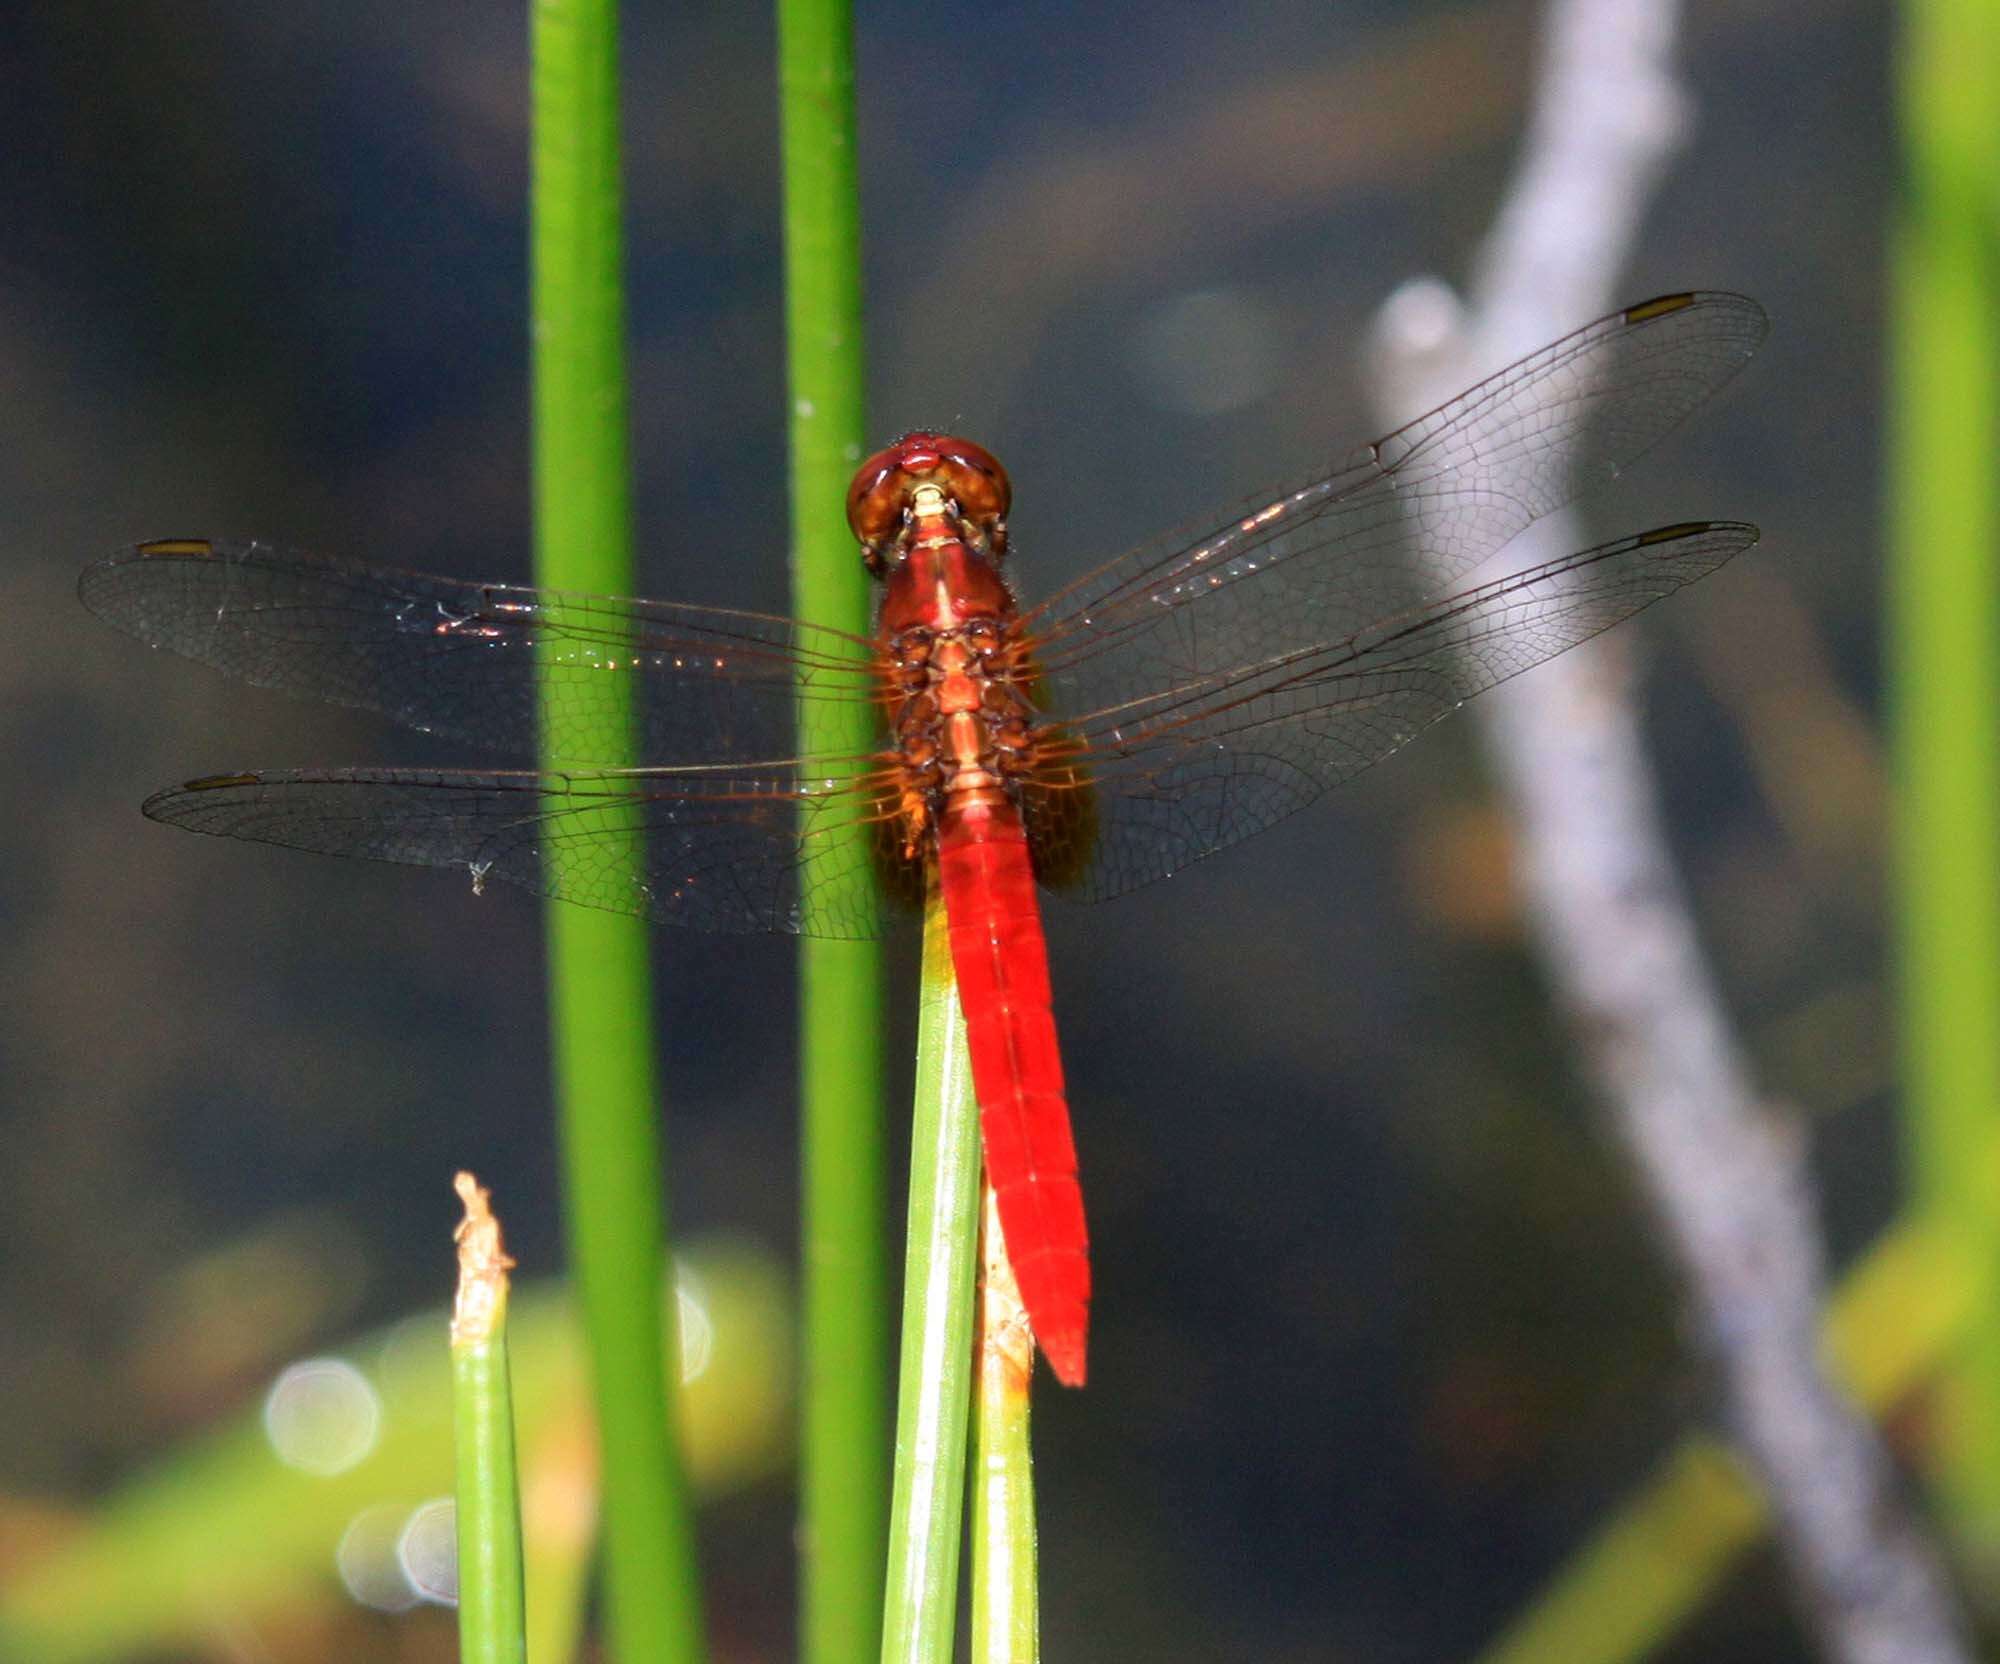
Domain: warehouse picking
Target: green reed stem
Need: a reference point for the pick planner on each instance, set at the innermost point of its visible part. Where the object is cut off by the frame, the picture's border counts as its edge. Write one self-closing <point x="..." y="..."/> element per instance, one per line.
<point x="843" y="1433"/>
<point x="926" y="1516"/>
<point x="1944" y="437"/>
<point x="598" y="966"/>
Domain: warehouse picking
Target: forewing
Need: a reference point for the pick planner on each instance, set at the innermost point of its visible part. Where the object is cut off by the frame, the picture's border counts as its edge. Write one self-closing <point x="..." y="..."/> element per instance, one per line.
<point x="1329" y="557"/>
<point x="490" y="663"/>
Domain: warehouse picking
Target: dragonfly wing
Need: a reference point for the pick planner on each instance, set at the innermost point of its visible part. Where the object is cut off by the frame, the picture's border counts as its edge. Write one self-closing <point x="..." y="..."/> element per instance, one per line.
<point x="713" y="850"/>
<point x="1324" y="559"/>
<point x="493" y="664"/>
<point x="1185" y="772"/>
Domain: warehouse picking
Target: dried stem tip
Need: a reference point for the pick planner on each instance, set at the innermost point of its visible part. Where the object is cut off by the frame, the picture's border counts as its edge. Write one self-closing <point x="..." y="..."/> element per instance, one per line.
<point x="483" y="1264"/>
<point x="1006" y="1344"/>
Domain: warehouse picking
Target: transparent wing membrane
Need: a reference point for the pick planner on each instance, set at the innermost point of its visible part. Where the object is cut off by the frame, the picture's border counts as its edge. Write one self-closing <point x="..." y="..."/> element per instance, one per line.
<point x="722" y="852"/>
<point x="1196" y="689"/>
<point x="1206" y="764"/>
<point x="1333" y="554"/>
<point x="487" y="663"/>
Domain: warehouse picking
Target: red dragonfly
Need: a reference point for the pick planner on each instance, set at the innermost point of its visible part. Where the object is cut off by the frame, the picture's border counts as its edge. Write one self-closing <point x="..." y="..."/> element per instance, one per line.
<point x="1173" y="701"/>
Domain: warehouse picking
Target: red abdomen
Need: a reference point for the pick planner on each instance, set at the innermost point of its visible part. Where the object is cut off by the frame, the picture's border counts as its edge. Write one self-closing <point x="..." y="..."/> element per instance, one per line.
<point x="1003" y="983"/>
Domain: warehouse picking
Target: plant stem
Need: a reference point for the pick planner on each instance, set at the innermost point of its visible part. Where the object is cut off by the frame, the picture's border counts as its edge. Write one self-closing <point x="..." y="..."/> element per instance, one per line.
<point x="1005" y="1620"/>
<point x="843" y="1432"/>
<point x="1945" y="648"/>
<point x="600" y="992"/>
<point x="935" y="1384"/>
<point x="492" y="1617"/>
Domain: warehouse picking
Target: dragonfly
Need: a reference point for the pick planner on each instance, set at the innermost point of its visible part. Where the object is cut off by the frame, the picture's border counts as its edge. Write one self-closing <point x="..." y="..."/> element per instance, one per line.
<point x="1173" y="701"/>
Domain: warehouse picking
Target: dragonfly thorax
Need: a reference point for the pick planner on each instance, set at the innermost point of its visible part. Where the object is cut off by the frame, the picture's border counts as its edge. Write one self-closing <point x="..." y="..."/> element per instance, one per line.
<point x="960" y="715"/>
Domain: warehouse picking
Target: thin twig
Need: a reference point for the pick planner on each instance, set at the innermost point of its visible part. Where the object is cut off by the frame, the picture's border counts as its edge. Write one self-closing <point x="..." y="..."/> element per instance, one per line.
<point x="1724" y="1173"/>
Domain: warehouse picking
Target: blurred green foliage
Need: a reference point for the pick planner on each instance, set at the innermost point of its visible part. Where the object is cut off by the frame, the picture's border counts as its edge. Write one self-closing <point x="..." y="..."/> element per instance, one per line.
<point x="222" y="1536"/>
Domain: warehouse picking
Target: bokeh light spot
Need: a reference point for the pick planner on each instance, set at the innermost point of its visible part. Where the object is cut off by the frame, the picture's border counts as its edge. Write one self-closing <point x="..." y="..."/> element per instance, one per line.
<point x="369" y="1561"/>
<point x="428" y="1551"/>
<point x="322" y="1416"/>
<point x="697" y="1327"/>
<point x="1206" y="352"/>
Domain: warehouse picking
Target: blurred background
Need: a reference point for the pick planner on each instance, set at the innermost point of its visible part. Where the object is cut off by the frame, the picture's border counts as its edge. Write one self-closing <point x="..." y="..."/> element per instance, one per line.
<point x="1380" y="1331"/>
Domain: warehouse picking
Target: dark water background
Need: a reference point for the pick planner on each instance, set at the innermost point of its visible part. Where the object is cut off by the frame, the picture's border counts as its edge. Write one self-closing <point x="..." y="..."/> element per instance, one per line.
<point x="1380" y="1329"/>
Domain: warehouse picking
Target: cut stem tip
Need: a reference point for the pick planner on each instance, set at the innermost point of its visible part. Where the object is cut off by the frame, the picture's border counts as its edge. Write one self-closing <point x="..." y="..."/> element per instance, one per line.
<point x="483" y="1264"/>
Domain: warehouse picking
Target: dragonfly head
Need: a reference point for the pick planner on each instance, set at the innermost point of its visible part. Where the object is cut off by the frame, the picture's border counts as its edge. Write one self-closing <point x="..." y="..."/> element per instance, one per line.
<point x="966" y="483"/>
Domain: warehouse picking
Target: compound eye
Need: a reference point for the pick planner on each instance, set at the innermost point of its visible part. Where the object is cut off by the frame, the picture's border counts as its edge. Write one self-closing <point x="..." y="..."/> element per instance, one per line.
<point x="967" y="473"/>
<point x="975" y="479"/>
<point x="878" y="495"/>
